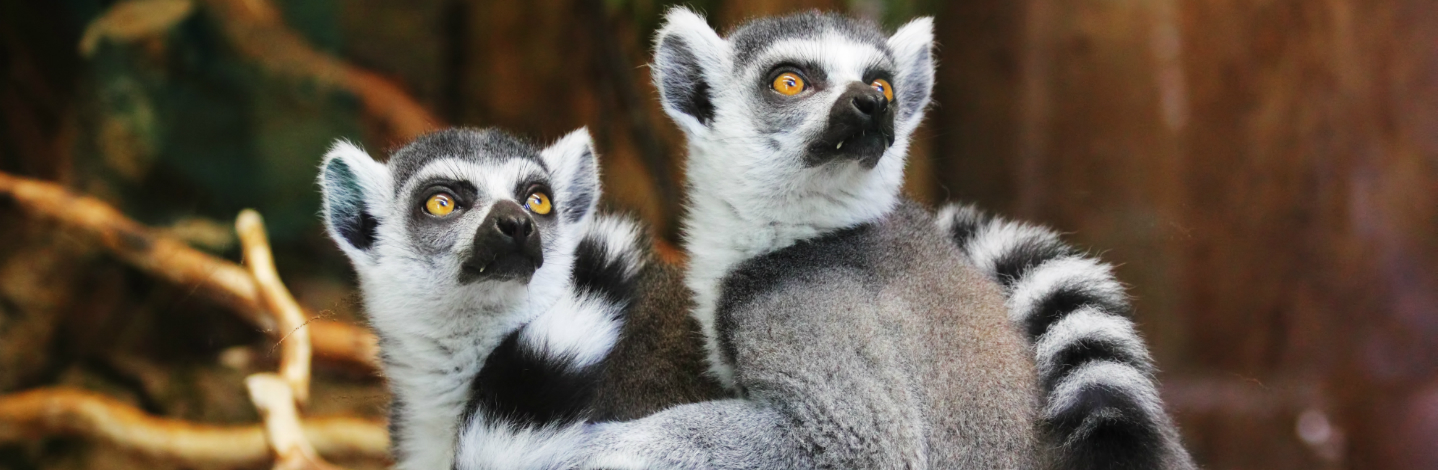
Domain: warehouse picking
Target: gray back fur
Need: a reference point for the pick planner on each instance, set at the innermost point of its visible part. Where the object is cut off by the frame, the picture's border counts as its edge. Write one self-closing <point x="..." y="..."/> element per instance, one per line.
<point x="871" y="347"/>
<point x="890" y="350"/>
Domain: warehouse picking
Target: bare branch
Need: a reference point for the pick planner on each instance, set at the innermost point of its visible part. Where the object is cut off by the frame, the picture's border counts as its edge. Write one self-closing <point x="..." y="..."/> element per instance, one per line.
<point x="165" y="257"/>
<point x="48" y="412"/>
<point x="272" y="396"/>
<point x="294" y="333"/>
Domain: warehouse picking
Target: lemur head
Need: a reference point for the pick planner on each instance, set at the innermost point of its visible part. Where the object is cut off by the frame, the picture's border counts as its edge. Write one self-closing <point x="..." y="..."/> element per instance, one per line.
<point x="802" y="118"/>
<point x="460" y="216"/>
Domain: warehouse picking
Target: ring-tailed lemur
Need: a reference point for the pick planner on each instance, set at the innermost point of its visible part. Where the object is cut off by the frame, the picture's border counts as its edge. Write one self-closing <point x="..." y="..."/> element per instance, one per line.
<point x="851" y="328"/>
<point x="499" y="298"/>
<point x="1100" y="405"/>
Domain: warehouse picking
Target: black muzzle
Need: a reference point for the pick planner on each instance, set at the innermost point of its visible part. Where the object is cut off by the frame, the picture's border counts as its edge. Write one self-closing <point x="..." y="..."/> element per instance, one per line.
<point x="861" y="128"/>
<point x="506" y="247"/>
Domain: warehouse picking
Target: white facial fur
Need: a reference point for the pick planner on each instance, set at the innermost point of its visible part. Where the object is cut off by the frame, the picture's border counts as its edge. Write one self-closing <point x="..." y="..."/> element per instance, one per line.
<point x="437" y="330"/>
<point x="751" y="191"/>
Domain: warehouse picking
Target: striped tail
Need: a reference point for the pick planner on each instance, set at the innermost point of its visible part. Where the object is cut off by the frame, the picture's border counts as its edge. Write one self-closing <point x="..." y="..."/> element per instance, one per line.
<point x="1100" y="407"/>
<point x="531" y="398"/>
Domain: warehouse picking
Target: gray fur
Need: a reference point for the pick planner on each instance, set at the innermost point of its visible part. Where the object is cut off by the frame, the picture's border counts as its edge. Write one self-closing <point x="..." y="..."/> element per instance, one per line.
<point x="730" y="434"/>
<point x="753" y="37"/>
<point x="476" y="145"/>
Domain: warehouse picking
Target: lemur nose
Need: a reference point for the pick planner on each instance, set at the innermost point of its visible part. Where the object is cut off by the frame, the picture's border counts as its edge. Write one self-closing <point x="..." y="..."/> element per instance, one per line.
<point x="865" y="104"/>
<point x="868" y="104"/>
<point x="515" y="227"/>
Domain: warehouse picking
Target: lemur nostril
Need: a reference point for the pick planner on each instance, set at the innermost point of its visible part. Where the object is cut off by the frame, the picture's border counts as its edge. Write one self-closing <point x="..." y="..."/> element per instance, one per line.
<point x="865" y="104"/>
<point x="513" y="227"/>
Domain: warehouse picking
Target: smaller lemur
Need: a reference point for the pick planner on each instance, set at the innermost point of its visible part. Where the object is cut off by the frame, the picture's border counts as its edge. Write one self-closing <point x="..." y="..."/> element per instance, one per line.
<point x="500" y="296"/>
<point x="451" y="264"/>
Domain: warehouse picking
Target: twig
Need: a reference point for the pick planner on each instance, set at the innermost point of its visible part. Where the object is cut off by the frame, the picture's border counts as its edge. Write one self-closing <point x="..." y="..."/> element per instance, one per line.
<point x="133" y="20"/>
<point x="294" y="334"/>
<point x="277" y="397"/>
<point x="272" y="396"/>
<point x="218" y="279"/>
<point x="40" y="413"/>
<point x="257" y="30"/>
<point x="139" y="245"/>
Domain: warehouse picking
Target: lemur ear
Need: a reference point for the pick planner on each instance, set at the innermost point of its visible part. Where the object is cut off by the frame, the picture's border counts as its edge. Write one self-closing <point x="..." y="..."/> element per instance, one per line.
<point x="353" y="187"/>
<point x="911" y="45"/>
<point x="574" y="174"/>
<point x="685" y="50"/>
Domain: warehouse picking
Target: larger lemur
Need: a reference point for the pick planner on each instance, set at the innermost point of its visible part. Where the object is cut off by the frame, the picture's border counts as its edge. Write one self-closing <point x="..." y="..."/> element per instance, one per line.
<point x="854" y="333"/>
<point x="797" y="130"/>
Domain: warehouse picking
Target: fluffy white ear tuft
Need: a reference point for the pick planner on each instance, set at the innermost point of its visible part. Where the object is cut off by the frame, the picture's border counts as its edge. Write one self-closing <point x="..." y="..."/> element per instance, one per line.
<point x="574" y="174"/>
<point x="912" y="46"/>
<point x="687" y="51"/>
<point x="355" y="189"/>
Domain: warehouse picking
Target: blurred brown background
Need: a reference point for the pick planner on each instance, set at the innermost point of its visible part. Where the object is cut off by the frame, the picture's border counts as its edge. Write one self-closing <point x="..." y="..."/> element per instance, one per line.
<point x="1263" y="172"/>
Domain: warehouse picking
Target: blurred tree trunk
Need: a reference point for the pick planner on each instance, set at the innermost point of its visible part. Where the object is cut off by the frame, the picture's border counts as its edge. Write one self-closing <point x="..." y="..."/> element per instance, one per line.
<point x="1264" y="172"/>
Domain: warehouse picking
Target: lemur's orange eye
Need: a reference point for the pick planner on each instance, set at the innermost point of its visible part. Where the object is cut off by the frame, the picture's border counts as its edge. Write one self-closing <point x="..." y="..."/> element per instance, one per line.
<point x="788" y="84"/>
<point x="440" y="205"/>
<point x="883" y="86"/>
<point x="538" y="203"/>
